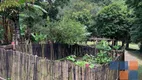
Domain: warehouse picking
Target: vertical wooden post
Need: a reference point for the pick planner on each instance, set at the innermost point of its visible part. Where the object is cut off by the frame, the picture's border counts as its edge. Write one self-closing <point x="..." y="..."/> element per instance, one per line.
<point x="127" y="44"/>
<point x="113" y="42"/>
<point x="141" y="47"/>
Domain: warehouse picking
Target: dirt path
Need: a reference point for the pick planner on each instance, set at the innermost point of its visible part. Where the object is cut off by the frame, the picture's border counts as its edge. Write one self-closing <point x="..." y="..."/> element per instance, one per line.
<point x="135" y="56"/>
<point x="132" y="56"/>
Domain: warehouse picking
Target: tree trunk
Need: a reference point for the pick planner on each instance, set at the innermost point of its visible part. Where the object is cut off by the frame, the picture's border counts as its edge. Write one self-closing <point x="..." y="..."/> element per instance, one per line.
<point x="5" y="29"/>
<point x="141" y="47"/>
<point x="123" y="43"/>
<point x="115" y="42"/>
<point x="17" y="29"/>
<point x="127" y="44"/>
<point x="127" y="41"/>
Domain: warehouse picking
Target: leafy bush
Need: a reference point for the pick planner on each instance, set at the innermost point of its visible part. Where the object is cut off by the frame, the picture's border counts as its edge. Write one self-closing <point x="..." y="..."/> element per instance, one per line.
<point x="103" y="45"/>
<point x="102" y="57"/>
<point x="116" y="47"/>
<point x="81" y="63"/>
<point x="65" y="31"/>
<point x="86" y="59"/>
<point x="38" y="37"/>
<point x="71" y="58"/>
<point x="89" y="60"/>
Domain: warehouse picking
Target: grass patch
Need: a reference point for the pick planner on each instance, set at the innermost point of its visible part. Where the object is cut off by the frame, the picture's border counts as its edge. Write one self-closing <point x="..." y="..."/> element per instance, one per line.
<point x="91" y="43"/>
<point x="133" y="46"/>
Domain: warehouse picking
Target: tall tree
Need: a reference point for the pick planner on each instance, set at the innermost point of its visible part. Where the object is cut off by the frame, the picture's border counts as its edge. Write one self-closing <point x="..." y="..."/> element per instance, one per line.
<point x="113" y="22"/>
<point x="53" y="7"/>
<point x="8" y="10"/>
<point x="65" y="30"/>
<point x="136" y="31"/>
<point x="81" y="11"/>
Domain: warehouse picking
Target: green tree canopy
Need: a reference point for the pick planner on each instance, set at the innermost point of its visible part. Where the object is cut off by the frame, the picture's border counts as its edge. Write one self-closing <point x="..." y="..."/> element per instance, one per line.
<point x="65" y="31"/>
<point x="136" y="31"/>
<point x="113" y="22"/>
<point x="137" y="27"/>
<point x="80" y="10"/>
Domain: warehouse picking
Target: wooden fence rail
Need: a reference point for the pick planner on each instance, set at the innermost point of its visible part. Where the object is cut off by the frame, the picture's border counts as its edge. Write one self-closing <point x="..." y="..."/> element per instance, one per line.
<point x="20" y="66"/>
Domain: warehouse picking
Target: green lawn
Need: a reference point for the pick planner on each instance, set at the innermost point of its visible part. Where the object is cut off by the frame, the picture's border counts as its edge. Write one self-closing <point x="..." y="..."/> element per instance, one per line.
<point x="131" y="45"/>
<point x="134" y="46"/>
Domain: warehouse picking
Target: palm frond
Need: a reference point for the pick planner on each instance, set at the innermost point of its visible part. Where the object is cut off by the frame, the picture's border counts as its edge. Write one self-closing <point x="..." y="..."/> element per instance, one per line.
<point x="37" y="7"/>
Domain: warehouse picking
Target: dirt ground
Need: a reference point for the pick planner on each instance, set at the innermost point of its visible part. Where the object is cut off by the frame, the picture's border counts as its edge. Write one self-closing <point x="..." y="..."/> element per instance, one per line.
<point x="135" y="56"/>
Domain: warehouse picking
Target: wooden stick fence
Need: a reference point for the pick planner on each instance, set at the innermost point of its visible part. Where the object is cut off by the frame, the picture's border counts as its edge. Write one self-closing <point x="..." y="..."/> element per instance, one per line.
<point x="20" y="66"/>
<point x="55" y="50"/>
